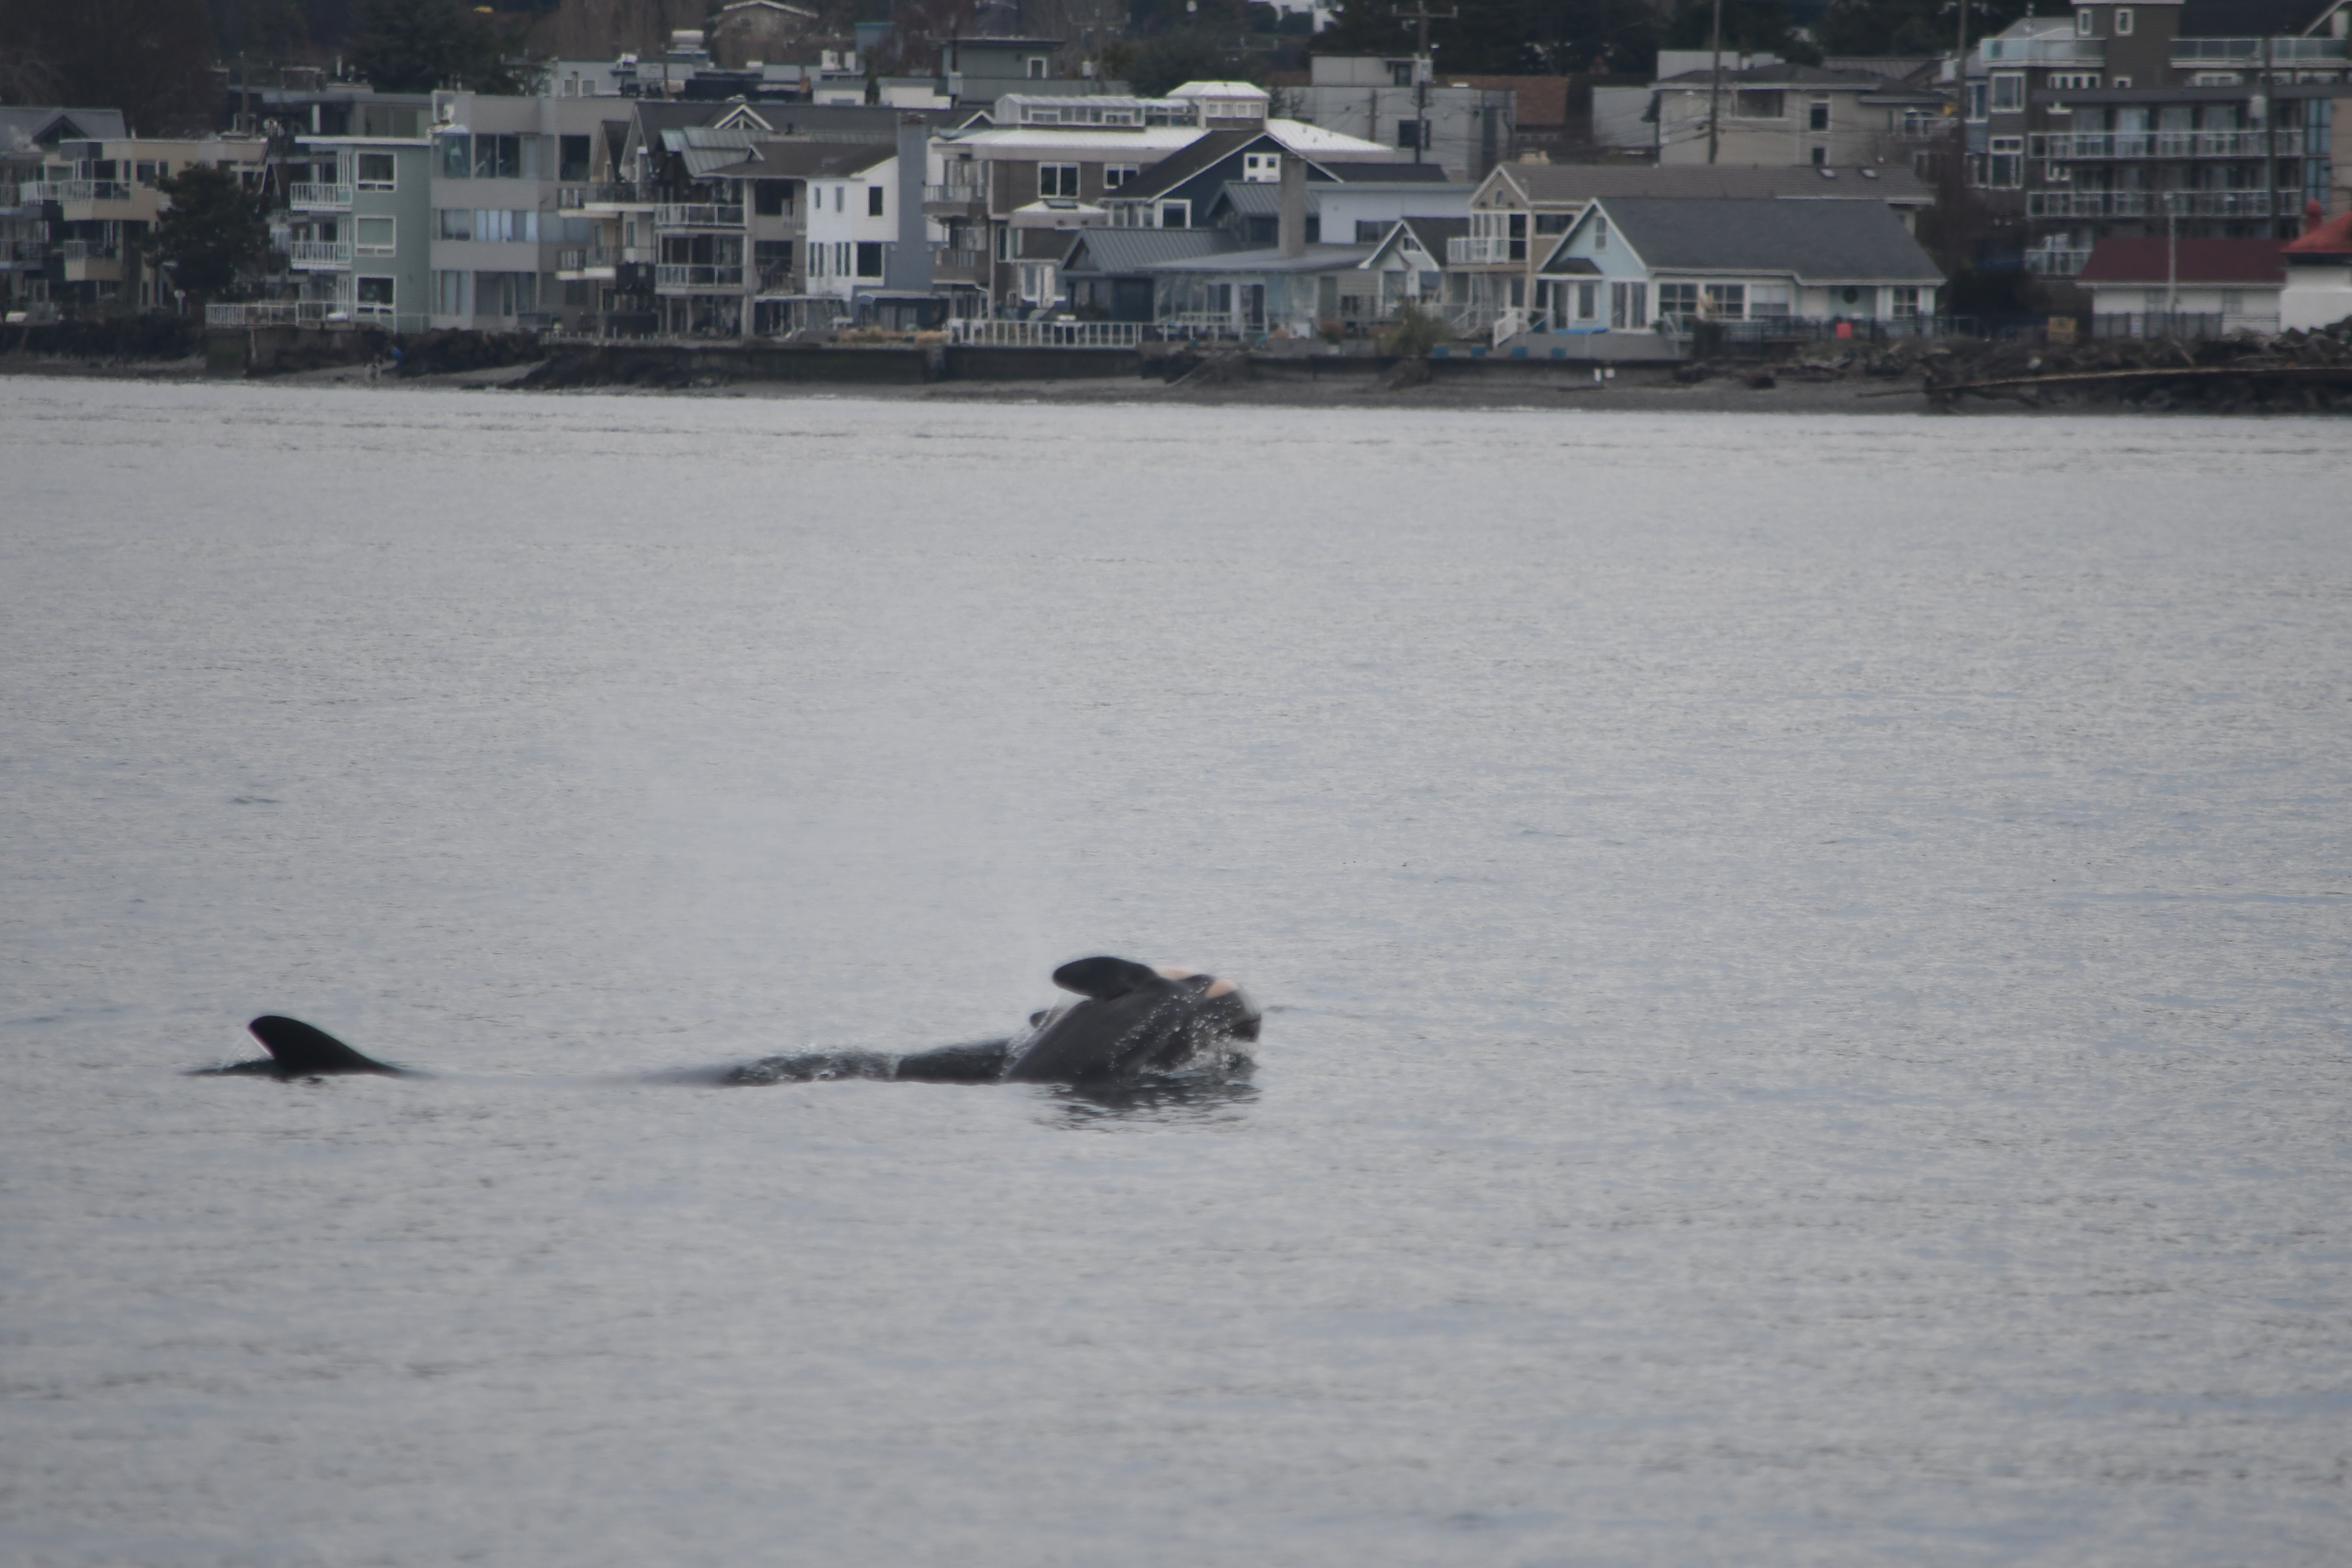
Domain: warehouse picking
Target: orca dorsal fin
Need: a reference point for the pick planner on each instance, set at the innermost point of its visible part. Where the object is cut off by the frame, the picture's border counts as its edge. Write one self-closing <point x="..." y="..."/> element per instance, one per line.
<point x="1104" y="978"/>
<point x="298" y="1047"/>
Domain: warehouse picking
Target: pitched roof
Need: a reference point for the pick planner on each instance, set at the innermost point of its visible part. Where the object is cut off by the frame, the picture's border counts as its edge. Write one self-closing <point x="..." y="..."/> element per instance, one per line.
<point x="21" y="126"/>
<point x="2146" y="261"/>
<point x="1781" y="75"/>
<point x="1117" y="250"/>
<point x="1585" y="182"/>
<point x="1186" y="161"/>
<point x="1316" y="258"/>
<point x="2333" y="237"/>
<point x="779" y="160"/>
<point x="1428" y="234"/>
<point x="1255" y="198"/>
<point x="1859" y="242"/>
<point x="1369" y="172"/>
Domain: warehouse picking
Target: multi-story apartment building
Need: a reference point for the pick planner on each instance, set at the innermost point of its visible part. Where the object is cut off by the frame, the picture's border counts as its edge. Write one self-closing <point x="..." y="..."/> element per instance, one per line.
<point x="350" y="177"/>
<point x="1396" y="101"/>
<point x="2215" y="119"/>
<point x="510" y="177"/>
<point x="75" y="211"/>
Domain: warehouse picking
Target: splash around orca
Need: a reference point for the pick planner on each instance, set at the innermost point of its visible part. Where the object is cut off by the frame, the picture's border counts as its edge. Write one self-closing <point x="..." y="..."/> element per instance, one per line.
<point x="1132" y="1024"/>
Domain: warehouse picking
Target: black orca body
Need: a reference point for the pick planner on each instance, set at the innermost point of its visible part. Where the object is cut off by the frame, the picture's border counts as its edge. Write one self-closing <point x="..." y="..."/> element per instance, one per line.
<point x="1132" y="1024"/>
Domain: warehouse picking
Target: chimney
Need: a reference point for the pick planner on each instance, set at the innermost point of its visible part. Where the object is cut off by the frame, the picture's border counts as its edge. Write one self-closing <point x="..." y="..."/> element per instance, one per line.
<point x="1293" y="232"/>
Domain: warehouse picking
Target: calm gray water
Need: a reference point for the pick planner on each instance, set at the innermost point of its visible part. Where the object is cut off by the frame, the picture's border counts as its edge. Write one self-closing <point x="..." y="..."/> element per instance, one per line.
<point x="1806" y="966"/>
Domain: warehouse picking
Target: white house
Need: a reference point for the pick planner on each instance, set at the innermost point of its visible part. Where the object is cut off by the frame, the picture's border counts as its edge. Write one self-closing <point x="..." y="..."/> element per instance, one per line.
<point x="1630" y="264"/>
<point x="852" y="224"/>
<point x="2319" y="290"/>
<point x="2131" y="281"/>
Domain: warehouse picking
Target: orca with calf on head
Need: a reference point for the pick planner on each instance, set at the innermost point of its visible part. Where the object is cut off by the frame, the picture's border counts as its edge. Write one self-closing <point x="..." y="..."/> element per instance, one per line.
<point x="1132" y="1024"/>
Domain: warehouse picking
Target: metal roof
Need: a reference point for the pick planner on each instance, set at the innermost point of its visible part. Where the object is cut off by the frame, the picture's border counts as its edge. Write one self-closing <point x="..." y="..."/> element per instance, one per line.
<point x="1566" y="183"/>
<point x="1816" y="242"/>
<point x="1107" y="251"/>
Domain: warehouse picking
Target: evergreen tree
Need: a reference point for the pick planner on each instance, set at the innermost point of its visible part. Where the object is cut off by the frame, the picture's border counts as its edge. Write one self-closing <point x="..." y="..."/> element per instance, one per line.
<point x="415" y="45"/>
<point x="212" y="231"/>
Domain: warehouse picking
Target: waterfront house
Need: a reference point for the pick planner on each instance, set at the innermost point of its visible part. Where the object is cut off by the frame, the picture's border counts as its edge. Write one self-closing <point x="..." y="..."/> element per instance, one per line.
<point x="2157" y="288"/>
<point x="2318" y="292"/>
<point x="1634" y="263"/>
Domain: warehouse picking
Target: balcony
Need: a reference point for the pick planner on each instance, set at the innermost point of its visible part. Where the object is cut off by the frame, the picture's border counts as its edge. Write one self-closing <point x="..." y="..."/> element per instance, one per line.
<point x="2157" y="203"/>
<point x="25" y="254"/>
<point x="2067" y="147"/>
<point x="584" y="261"/>
<point x="35" y="192"/>
<point x="90" y="261"/>
<point x="312" y="198"/>
<point x="608" y="196"/>
<point x="951" y="266"/>
<point x="680" y="279"/>
<point x="2043" y="51"/>
<point x="2053" y="261"/>
<point x="270" y="313"/>
<point x="1484" y="250"/>
<point x="957" y="198"/>
<point x="698" y="215"/>
<point x="319" y="254"/>
<point x="2250" y="52"/>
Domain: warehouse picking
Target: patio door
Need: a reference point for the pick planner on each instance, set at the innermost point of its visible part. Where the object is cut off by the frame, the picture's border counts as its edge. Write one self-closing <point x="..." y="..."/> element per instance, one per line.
<point x="1254" y="307"/>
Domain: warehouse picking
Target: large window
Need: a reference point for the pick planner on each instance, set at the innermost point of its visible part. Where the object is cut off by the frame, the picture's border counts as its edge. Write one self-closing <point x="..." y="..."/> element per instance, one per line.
<point x="1629" y="306"/>
<point x="453" y="223"/>
<point x="1678" y="301"/>
<point x="771" y="198"/>
<point x="1726" y="301"/>
<point x="873" y="201"/>
<point x="2005" y="170"/>
<point x="2008" y="92"/>
<point x="1768" y="302"/>
<point x="1175" y="215"/>
<point x="571" y="158"/>
<point x="378" y="172"/>
<point x="1751" y="103"/>
<point x="1905" y="306"/>
<point x="1057" y="180"/>
<point x="375" y="297"/>
<point x="374" y="237"/>
<point x="870" y="258"/>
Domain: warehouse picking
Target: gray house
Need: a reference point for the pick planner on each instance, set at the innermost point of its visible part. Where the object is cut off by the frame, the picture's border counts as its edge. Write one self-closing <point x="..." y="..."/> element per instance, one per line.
<point x="1637" y="264"/>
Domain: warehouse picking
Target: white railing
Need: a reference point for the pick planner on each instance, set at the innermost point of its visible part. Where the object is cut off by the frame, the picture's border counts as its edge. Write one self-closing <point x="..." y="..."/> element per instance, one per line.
<point x="314" y="198"/>
<point x="270" y="313"/>
<point x="2156" y="204"/>
<point x="669" y="275"/>
<point x="2250" y="51"/>
<point x="1509" y="323"/>
<point x="955" y="191"/>
<point x="2054" y="261"/>
<point x="34" y="191"/>
<point x="1047" y="334"/>
<point x="2043" y="51"/>
<point x="698" y="215"/>
<point x="2079" y="144"/>
<point x="318" y="255"/>
<point x="1478" y="249"/>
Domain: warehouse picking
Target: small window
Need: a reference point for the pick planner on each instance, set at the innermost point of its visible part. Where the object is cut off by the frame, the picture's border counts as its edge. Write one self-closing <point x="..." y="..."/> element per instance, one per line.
<point x="1261" y="168"/>
<point x="1409" y="134"/>
<point x="873" y="201"/>
<point x="377" y="291"/>
<point x="1118" y="174"/>
<point x="1975" y="102"/>
<point x="378" y="172"/>
<point x="870" y="258"/>
<point x="1036" y="68"/>
<point x="840" y="198"/>
<point x="1601" y="233"/>
<point x="1818" y="118"/>
<point x="2120" y="83"/>
<point x="1371" y="231"/>
<point x="1678" y="300"/>
<point x="455" y="222"/>
<point x="2084" y="21"/>
<point x="1820" y="157"/>
<point x="1175" y="215"/>
<point x="2123" y="21"/>
<point x="1905" y="304"/>
<point x="571" y="155"/>
<point x="1057" y="180"/>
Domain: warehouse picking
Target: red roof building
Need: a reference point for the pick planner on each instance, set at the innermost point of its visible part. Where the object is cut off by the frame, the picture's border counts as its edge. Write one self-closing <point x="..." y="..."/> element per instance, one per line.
<point x="2216" y="285"/>
<point x="2235" y="262"/>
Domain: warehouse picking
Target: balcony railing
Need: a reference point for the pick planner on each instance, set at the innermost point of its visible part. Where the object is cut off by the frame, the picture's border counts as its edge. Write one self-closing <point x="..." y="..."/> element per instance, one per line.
<point x="1046" y="334"/>
<point x="2080" y="144"/>
<point x="964" y="266"/>
<point x="609" y="193"/>
<point x="2250" y="51"/>
<point x="91" y="250"/>
<point x="956" y="193"/>
<point x="314" y="198"/>
<point x="23" y="252"/>
<point x="2054" y="262"/>
<point x="1482" y="249"/>
<point x="34" y="191"/>
<point x="579" y="258"/>
<point x="319" y="254"/>
<point x="698" y="215"/>
<point x="676" y="276"/>
<point x="2157" y="203"/>
<point x="2043" y="51"/>
<point x="270" y="313"/>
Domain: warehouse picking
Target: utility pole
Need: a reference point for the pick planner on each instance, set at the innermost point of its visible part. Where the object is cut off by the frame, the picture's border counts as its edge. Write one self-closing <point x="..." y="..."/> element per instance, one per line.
<point x="1421" y="67"/>
<point x="2270" y="136"/>
<point x="1715" y="92"/>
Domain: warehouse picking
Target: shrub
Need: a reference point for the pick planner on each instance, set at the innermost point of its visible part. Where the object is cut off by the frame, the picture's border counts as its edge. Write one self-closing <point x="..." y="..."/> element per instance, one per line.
<point x="1416" y="333"/>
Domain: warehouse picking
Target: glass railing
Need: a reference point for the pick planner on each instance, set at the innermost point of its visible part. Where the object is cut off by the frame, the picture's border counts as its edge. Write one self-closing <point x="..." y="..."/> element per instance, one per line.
<point x="2043" y="51"/>
<point x="698" y="215"/>
<point x="2252" y="52"/>
<point x="676" y="276"/>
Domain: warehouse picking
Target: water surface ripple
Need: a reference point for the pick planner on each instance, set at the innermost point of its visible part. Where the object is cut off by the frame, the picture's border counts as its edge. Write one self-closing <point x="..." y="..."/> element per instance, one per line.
<point x="1806" y="967"/>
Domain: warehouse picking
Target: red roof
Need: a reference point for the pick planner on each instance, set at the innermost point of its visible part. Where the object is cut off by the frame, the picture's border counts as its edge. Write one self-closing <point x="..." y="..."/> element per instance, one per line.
<point x="2333" y="237"/>
<point x="2198" y="261"/>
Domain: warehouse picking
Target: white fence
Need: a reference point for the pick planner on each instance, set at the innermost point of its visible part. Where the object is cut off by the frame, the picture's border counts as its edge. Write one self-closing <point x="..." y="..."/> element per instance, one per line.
<point x="1046" y="334"/>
